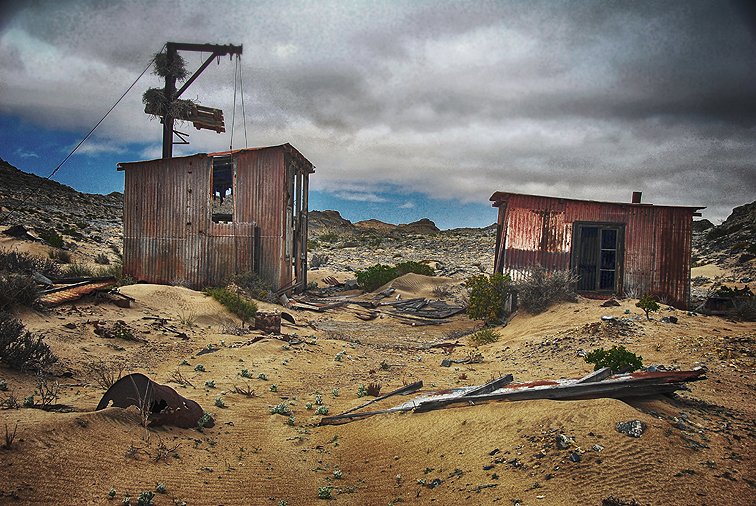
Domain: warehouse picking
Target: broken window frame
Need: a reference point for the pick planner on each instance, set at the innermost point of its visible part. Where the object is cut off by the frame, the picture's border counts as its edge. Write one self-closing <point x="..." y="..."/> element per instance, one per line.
<point x="222" y="179"/>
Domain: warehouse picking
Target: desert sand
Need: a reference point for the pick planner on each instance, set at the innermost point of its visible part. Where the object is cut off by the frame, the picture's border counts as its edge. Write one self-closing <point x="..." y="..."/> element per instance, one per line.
<point x="697" y="448"/>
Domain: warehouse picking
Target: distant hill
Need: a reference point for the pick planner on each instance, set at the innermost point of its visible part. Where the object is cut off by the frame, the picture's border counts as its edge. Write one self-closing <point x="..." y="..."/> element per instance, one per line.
<point x="29" y="195"/>
<point x="48" y="207"/>
<point x="331" y="222"/>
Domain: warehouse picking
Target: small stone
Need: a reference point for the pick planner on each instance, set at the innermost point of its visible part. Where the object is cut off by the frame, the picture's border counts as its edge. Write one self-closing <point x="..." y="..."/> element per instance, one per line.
<point x="446" y="363"/>
<point x="597" y="448"/>
<point x="575" y="457"/>
<point x="563" y="442"/>
<point x="633" y="428"/>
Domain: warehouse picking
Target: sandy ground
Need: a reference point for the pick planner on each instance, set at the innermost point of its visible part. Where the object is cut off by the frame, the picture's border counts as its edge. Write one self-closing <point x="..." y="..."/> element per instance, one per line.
<point x="697" y="449"/>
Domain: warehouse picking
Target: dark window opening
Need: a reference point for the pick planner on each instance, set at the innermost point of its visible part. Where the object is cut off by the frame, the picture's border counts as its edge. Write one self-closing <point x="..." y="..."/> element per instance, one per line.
<point x="597" y="253"/>
<point x="222" y="198"/>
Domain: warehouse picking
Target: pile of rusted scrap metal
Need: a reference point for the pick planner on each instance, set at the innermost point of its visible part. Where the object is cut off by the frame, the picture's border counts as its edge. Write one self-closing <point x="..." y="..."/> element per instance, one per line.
<point x="601" y="383"/>
<point x="416" y="311"/>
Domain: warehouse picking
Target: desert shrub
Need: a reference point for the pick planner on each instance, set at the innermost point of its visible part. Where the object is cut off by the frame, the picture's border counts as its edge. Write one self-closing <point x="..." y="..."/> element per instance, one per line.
<point x="254" y="286"/>
<point x="374" y="389"/>
<point x="617" y="358"/>
<point x="17" y="290"/>
<point x="487" y="296"/>
<point x="318" y="260"/>
<point x="53" y="239"/>
<point x="539" y="289"/>
<point x="375" y="276"/>
<point x="414" y="267"/>
<point x="485" y="336"/>
<point x="743" y="310"/>
<point x="102" y="259"/>
<point x="105" y="373"/>
<point x="648" y="304"/>
<point x="726" y="291"/>
<point x="19" y="349"/>
<point x="330" y="237"/>
<point x="24" y="263"/>
<point x="59" y="256"/>
<point x="78" y="270"/>
<point x="244" y="309"/>
<point x="442" y="291"/>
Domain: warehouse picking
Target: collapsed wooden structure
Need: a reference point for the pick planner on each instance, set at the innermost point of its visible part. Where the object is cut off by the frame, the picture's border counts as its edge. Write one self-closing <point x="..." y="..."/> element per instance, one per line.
<point x="601" y="383"/>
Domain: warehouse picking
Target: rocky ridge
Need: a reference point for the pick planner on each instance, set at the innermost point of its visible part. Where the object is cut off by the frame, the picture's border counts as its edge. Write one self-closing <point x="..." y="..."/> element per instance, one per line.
<point x="48" y="207"/>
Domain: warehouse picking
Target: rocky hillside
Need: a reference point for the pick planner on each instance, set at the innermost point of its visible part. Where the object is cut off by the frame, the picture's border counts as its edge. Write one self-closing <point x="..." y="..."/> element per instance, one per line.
<point x="731" y="244"/>
<point x="86" y="222"/>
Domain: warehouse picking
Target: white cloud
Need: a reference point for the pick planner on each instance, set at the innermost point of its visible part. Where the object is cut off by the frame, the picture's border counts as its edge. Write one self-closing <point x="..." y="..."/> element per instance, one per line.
<point x="26" y="154"/>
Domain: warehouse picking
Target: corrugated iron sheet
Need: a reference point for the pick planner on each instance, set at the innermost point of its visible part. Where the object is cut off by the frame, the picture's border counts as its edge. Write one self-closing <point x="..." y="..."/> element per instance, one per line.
<point x="75" y="292"/>
<point x="657" y="240"/>
<point x="169" y="234"/>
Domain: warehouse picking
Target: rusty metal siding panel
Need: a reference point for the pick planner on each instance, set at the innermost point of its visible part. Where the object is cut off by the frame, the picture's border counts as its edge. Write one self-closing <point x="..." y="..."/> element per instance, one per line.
<point x="169" y="235"/>
<point x="163" y="220"/>
<point x="261" y="181"/>
<point x="657" y="240"/>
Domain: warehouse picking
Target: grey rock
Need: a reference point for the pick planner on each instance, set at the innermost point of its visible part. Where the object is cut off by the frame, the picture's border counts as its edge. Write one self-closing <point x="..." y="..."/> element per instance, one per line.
<point x="632" y="428"/>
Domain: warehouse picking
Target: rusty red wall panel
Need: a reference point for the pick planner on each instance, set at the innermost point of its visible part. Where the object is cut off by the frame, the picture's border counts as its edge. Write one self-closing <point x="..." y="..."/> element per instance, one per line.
<point x="169" y="235"/>
<point x="657" y="241"/>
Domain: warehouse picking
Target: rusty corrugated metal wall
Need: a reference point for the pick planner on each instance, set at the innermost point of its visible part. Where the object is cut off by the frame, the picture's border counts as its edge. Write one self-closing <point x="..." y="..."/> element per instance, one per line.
<point x="655" y="258"/>
<point x="171" y="238"/>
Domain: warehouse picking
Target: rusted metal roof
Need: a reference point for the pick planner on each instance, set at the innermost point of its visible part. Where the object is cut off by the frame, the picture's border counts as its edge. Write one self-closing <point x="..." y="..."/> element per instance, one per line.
<point x="652" y="249"/>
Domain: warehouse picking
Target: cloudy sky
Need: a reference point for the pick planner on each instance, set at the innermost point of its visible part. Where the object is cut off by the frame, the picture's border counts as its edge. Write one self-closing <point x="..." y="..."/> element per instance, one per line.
<point x="408" y="109"/>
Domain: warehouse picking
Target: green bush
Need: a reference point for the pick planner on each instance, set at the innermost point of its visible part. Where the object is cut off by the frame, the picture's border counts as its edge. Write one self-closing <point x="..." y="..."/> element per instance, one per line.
<point x="485" y="336"/>
<point x="414" y="267"/>
<point x="539" y="289"/>
<point x="53" y="239"/>
<point x="375" y="276"/>
<point x="616" y="358"/>
<point x="648" y="304"/>
<point x="726" y="291"/>
<point x="487" y="296"/>
<point x="19" y="349"/>
<point x="243" y="308"/>
<point x="330" y="237"/>
<point x="379" y="274"/>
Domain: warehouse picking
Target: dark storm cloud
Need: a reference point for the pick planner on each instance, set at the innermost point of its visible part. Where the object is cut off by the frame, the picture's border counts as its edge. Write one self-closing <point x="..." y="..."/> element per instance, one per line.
<point x="590" y="99"/>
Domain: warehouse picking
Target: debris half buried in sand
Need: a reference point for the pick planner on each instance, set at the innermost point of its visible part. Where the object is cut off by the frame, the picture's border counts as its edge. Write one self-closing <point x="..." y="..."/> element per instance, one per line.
<point x="160" y="403"/>
<point x="595" y="385"/>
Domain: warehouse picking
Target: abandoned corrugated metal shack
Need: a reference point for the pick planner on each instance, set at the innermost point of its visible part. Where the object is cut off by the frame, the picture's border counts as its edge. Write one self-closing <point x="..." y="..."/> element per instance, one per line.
<point x="195" y="220"/>
<point x="621" y="249"/>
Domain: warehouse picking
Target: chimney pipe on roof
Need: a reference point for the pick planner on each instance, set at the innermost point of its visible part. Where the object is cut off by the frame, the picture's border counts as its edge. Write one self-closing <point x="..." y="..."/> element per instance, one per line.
<point x="637" y="197"/>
